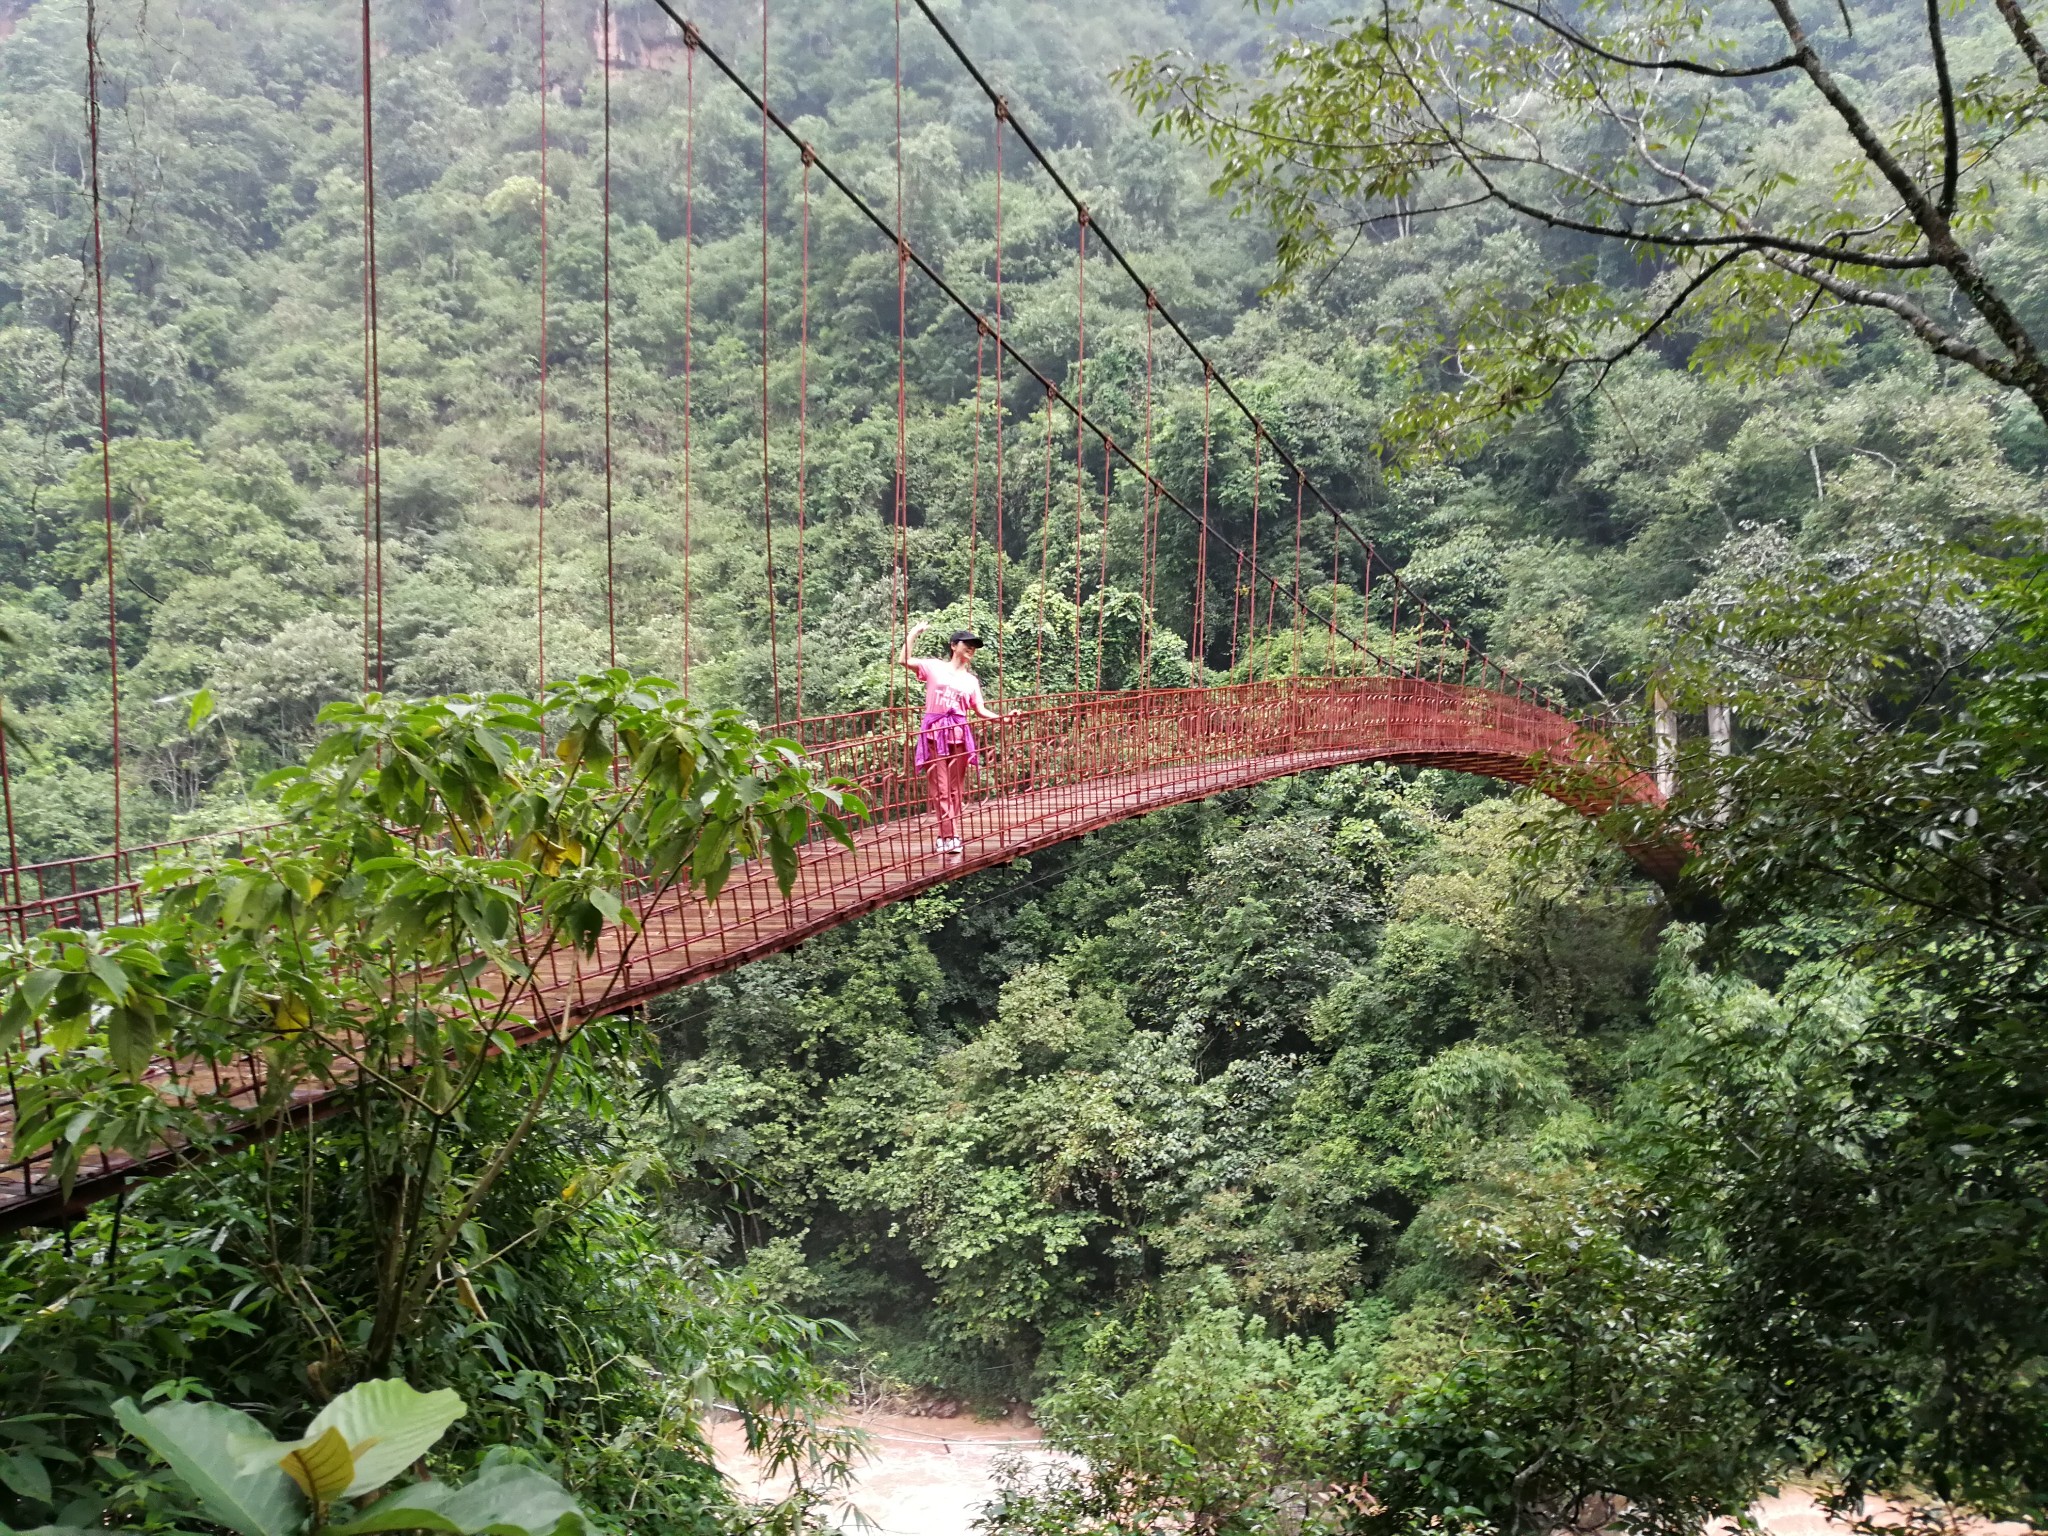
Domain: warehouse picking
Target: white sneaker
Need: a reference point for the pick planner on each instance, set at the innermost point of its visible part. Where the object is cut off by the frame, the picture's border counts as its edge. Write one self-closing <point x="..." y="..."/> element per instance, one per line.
<point x="938" y="845"/>
<point x="953" y="846"/>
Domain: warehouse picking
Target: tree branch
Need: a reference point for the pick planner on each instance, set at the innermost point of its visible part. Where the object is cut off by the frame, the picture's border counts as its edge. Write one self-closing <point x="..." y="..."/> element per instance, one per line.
<point x="1951" y="150"/>
<point x="2023" y="34"/>
<point x="1682" y="66"/>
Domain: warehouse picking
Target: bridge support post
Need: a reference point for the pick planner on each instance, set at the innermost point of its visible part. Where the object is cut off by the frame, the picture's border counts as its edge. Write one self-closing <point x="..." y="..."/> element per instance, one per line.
<point x="1720" y="729"/>
<point x="1667" y="745"/>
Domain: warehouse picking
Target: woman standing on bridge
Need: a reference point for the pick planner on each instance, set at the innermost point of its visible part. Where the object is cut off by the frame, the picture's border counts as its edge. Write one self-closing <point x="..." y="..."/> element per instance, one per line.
<point x="946" y="747"/>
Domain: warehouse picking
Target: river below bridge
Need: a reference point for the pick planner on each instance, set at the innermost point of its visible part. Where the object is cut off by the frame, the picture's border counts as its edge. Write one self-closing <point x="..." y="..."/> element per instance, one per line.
<point x="931" y="1477"/>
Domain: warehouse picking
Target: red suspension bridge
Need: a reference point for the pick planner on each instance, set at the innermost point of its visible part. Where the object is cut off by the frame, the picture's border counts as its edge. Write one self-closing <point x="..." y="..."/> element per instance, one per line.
<point x="1300" y="689"/>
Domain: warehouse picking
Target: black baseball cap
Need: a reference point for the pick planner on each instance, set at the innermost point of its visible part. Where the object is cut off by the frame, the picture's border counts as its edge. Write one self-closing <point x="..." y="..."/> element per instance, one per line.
<point x="963" y="637"/>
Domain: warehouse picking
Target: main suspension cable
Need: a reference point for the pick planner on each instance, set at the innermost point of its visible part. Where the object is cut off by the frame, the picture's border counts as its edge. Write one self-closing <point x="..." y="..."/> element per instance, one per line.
<point x="1117" y="255"/>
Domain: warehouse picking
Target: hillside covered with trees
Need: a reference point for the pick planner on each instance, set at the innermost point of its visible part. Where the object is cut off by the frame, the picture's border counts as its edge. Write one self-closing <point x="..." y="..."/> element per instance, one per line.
<point x="1374" y="1150"/>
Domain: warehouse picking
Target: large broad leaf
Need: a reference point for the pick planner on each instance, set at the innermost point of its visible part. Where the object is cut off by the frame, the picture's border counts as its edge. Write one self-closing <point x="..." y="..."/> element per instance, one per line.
<point x="193" y="1439"/>
<point x="501" y="1501"/>
<point x="388" y="1427"/>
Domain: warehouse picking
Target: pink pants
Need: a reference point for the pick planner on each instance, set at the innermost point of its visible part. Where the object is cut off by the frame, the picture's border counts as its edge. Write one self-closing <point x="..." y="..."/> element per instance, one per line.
<point x="946" y="782"/>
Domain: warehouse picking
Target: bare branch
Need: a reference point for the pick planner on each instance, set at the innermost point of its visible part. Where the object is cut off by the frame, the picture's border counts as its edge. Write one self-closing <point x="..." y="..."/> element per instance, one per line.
<point x="1951" y="150"/>
<point x="1683" y="66"/>
<point x="1941" y="342"/>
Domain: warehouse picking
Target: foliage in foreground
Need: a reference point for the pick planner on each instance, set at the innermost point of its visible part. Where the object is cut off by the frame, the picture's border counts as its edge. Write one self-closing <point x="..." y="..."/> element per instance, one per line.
<point x="329" y="1481"/>
<point x="437" y="859"/>
<point x="581" y="1315"/>
<point x="481" y="1212"/>
<point x="1852" y="1106"/>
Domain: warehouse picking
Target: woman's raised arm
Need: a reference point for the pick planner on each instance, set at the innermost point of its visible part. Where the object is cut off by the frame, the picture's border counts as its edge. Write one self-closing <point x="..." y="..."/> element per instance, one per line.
<point x="909" y="640"/>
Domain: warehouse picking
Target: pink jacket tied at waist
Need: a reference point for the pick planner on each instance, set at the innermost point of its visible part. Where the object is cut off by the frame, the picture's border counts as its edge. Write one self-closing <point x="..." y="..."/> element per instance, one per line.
<point x="944" y="734"/>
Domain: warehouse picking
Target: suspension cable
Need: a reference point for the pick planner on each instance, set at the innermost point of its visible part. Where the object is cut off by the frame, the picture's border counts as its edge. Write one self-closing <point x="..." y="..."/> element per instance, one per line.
<point x="1336" y="586"/>
<point x="1199" y="629"/>
<point x="1080" y="415"/>
<point x="99" y="280"/>
<point x="373" y="403"/>
<point x="1236" y="603"/>
<point x="611" y="614"/>
<point x="1101" y="575"/>
<point x="1002" y="613"/>
<point x="1251" y="651"/>
<point x="540" y="543"/>
<point x="691" y="43"/>
<point x="767" y="504"/>
<point x="902" y="521"/>
<point x="803" y="401"/>
<point x="974" y="478"/>
<point x="1300" y="615"/>
<point x="7" y="804"/>
<point x="1147" y="524"/>
<point x="1044" y="554"/>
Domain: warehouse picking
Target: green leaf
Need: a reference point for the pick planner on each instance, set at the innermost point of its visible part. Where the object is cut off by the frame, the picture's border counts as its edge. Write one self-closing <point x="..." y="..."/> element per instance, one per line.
<point x="193" y="1440"/>
<point x="110" y="974"/>
<point x="201" y="710"/>
<point x="26" y="1475"/>
<point x="15" y="1017"/>
<point x="711" y="860"/>
<point x="131" y="1040"/>
<point x="388" y="1427"/>
<point x="501" y="1501"/>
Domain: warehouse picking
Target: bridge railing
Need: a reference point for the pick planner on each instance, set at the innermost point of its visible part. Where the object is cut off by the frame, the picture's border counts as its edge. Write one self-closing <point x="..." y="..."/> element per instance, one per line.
<point x="92" y="890"/>
<point x="1052" y="742"/>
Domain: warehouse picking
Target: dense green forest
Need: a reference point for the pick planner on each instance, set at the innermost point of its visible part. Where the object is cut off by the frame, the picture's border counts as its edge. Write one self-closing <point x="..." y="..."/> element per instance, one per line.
<point x="1373" y="1150"/>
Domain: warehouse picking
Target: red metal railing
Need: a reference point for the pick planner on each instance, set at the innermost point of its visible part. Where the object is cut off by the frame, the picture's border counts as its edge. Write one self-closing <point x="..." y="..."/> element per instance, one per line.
<point x="1060" y="766"/>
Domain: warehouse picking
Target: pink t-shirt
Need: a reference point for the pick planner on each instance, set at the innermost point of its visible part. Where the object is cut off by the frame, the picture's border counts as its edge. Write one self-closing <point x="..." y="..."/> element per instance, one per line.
<point x="948" y="689"/>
